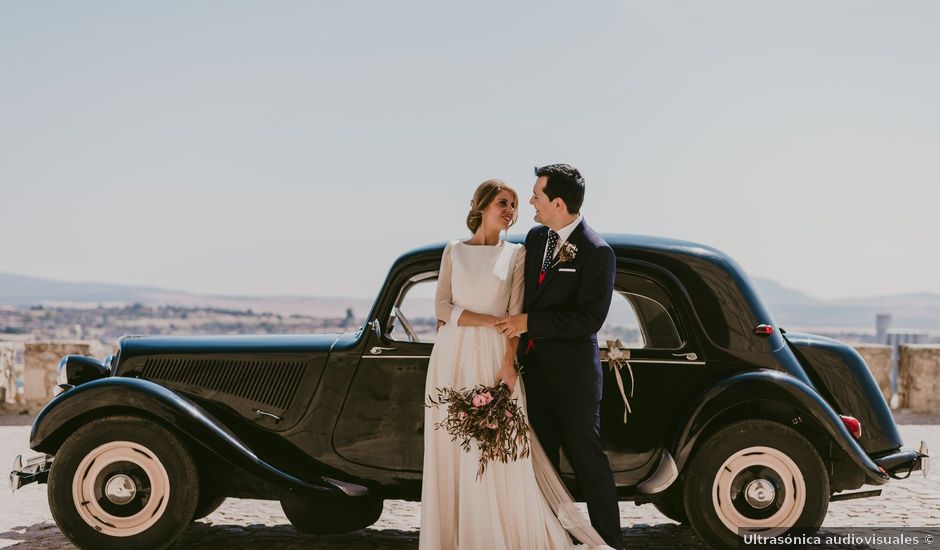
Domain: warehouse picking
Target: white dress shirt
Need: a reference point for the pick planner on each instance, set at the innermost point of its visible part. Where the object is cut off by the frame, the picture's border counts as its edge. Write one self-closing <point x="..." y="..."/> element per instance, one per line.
<point x="563" y="235"/>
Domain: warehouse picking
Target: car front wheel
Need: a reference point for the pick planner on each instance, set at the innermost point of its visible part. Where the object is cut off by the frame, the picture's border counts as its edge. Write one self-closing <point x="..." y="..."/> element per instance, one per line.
<point x="671" y="505"/>
<point x="122" y="482"/>
<point x="207" y="504"/>
<point x="755" y="476"/>
<point x="331" y="515"/>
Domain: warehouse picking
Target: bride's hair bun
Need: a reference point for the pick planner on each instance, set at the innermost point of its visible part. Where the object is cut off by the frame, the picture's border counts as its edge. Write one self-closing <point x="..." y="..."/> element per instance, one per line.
<point x="474" y="219"/>
<point x="482" y="198"/>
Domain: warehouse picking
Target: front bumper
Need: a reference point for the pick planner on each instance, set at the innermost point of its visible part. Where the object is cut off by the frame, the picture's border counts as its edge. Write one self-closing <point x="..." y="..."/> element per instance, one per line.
<point x="31" y="470"/>
<point x="901" y="464"/>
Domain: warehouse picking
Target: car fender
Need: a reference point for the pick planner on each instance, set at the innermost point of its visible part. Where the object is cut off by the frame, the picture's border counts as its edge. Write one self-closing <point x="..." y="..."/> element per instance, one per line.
<point x="55" y="422"/>
<point x="770" y="385"/>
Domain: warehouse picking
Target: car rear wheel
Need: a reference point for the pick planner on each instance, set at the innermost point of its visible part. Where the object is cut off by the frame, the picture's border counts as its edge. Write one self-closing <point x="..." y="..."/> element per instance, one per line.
<point x="758" y="476"/>
<point x="122" y="482"/>
<point x="331" y="515"/>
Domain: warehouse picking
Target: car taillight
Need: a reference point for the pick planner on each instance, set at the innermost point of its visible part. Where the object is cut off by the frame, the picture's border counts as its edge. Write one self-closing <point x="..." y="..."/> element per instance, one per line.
<point x="763" y="330"/>
<point x="853" y="425"/>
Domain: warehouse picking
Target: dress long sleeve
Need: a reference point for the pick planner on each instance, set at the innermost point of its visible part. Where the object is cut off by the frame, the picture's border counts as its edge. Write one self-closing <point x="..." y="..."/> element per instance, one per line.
<point x="444" y="308"/>
<point x="516" y="294"/>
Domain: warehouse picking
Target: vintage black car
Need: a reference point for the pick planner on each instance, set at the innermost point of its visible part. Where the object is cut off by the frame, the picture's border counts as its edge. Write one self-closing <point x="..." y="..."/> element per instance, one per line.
<point x="734" y="422"/>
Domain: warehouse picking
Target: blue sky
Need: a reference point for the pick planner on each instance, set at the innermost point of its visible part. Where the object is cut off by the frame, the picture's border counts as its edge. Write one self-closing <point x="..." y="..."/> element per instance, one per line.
<point x="299" y="147"/>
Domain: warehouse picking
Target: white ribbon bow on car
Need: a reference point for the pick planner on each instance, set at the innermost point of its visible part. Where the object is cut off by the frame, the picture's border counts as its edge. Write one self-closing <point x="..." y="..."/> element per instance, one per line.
<point x="617" y="358"/>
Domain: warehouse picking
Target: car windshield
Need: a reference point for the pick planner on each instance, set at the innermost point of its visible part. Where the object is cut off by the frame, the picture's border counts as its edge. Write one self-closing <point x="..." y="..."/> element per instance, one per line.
<point x="412" y="319"/>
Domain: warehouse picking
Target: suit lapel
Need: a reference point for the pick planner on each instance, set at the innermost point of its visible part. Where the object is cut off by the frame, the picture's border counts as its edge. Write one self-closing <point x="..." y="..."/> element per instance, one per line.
<point x="575" y="239"/>
<point x="533" y="264"/>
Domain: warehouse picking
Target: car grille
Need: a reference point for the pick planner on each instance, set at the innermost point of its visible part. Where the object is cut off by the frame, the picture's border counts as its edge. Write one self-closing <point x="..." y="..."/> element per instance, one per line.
<point x="271" y="383"/>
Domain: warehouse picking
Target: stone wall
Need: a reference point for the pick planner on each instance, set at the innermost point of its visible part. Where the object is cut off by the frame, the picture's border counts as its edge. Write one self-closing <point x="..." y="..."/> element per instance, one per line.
<point x="40" y="360"/>
<point x="7" y="372"/>
<point x="918" y="371"/>
<point x="919" y="378"/>
<point x="878" y="359"/>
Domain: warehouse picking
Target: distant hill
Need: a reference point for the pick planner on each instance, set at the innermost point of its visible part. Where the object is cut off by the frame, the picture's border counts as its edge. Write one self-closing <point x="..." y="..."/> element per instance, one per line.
<point x="16" y="290"/>
<point x="798" y="311"/>
<point x="774" y="293"/>
<point x="791" y="308"/>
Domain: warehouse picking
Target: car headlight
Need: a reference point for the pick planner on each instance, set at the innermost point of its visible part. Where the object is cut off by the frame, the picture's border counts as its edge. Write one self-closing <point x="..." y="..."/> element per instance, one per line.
<point x="61" y="376"/>
<point x="78" y="369"/>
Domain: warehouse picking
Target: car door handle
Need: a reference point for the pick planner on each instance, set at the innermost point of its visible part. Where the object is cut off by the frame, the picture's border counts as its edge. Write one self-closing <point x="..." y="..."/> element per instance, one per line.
<point x="689" y="356"/>
<point x="378" y="350"/>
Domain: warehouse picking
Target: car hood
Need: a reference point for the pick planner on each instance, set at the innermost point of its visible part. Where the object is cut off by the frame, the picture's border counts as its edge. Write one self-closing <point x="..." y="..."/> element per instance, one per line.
<point x="137" y="347"/>
<point x="234" y="377"/>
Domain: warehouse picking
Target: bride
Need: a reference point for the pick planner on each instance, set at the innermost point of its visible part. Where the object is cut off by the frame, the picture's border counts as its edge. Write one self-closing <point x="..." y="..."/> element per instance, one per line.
<point x="516" y="505"/>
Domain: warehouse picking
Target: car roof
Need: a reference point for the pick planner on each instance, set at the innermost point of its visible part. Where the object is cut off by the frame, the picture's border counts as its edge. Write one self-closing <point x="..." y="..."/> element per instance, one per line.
<point x="622" y="243"/>
<point x="722" y="294"/>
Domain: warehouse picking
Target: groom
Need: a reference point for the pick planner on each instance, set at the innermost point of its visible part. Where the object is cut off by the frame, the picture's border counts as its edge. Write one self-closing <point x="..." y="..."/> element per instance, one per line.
<point x="569" y="280"/>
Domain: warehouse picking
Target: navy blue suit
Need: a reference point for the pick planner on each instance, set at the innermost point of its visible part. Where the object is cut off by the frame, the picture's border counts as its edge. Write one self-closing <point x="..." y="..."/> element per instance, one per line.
<point x="562" y="369"/>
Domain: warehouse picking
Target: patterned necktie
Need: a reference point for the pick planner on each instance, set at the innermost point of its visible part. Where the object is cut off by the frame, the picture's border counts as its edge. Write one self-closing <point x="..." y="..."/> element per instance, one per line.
<point x="549" y="253"/>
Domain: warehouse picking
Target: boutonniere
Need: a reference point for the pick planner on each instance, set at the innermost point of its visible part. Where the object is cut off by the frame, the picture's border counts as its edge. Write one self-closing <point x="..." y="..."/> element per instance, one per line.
<point x="566" y="253"/>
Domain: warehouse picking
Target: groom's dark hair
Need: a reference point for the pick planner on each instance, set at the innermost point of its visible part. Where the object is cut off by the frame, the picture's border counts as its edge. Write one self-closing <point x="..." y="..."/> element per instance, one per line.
<point x="563" y="181"/>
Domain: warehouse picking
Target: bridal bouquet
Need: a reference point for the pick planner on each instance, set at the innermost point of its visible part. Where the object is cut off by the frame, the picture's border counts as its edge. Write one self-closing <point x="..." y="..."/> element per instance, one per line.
<point x="488" y="416"/>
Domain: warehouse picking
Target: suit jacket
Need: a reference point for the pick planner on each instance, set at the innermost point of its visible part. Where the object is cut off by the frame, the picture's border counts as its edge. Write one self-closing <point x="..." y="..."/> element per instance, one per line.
<point x="565" y="312"/>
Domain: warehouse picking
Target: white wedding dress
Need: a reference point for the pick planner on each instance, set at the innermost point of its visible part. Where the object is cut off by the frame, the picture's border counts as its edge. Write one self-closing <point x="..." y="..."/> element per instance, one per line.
<point x="519" y="505"/>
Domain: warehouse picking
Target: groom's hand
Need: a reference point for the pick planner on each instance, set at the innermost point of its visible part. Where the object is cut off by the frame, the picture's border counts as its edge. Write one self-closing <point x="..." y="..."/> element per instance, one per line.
<point x="513" y="325"/>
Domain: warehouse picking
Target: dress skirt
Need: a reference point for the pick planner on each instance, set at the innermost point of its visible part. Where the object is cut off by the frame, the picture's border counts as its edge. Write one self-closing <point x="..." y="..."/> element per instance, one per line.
<point x="505" y="509"/>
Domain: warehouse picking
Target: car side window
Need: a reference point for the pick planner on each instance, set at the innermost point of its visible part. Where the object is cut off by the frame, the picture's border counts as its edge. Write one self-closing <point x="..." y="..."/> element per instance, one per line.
<point x="621" y="323"/>
<point x="412" y="317"/>
<point x="642" y="315"/>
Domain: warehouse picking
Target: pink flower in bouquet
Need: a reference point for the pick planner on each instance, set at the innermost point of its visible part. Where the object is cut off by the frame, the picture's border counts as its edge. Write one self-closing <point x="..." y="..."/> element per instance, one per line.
<point x="488" y="397"/>
<point x="478" y="400"/>
<point x="507" y="413"/>
<point x="462" y="415"/>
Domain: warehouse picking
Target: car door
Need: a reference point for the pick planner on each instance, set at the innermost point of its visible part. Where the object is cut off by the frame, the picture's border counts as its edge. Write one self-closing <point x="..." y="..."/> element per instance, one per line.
<point x="664" y="363"/>
<point x="382" y="420"/>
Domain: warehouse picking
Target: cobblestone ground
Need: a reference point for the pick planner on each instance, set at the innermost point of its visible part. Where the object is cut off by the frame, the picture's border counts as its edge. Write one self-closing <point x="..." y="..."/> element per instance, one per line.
<point x="26" y="523"/>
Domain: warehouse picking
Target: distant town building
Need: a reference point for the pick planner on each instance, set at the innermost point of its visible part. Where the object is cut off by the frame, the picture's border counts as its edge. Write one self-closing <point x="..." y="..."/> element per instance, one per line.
<point x="896" y="337"/>
<point x="882" y="324"/>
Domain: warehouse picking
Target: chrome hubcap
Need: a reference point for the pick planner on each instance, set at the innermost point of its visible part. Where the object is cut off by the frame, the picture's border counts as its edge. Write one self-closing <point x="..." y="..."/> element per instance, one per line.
<point x="759" y="489"/>
<point x="759" y="493"/>
<point x="120" y="489"/>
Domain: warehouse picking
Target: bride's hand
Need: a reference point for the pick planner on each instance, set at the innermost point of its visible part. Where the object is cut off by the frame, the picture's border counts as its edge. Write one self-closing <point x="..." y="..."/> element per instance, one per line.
<point x="507" y="375"/>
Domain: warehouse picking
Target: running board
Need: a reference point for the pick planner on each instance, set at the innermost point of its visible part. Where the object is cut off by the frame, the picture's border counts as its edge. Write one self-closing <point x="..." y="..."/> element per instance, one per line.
<point x="860" y="494"/>
<point x="666" y="473"/>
